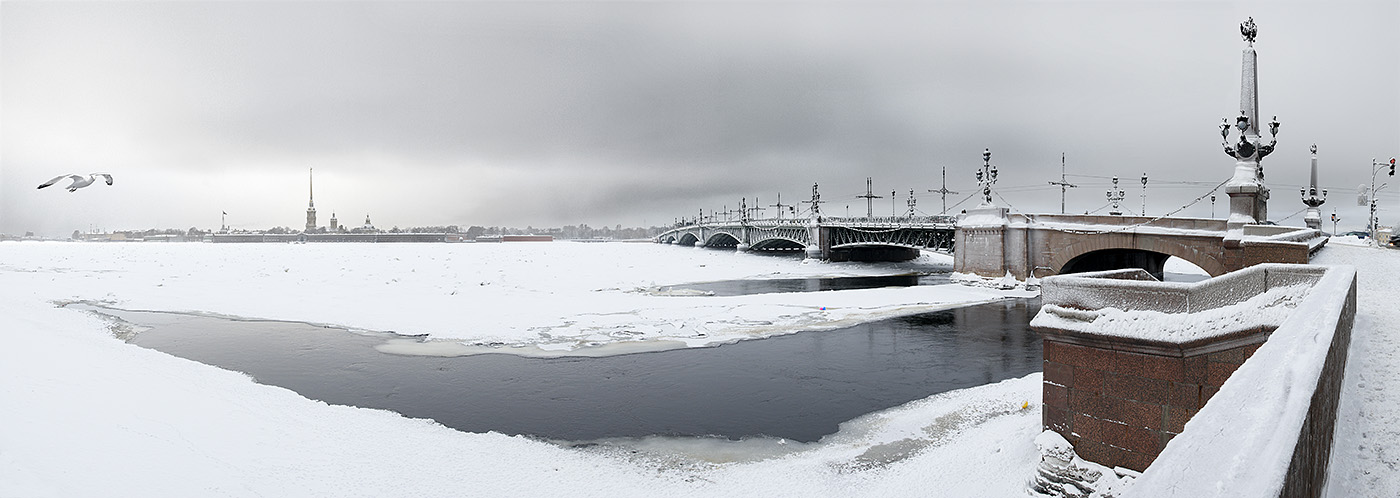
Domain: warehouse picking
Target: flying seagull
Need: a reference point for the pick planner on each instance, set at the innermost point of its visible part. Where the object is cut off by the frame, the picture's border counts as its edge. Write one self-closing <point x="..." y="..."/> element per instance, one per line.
<point x="78" y="180"/>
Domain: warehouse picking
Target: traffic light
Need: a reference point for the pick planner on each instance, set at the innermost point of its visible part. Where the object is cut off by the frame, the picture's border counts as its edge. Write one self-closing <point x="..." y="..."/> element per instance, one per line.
<point x="1392" y="166"/>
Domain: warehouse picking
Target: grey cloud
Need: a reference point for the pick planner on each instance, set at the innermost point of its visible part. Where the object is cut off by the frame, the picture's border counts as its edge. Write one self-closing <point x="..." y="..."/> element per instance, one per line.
<point x="632" y="111"/>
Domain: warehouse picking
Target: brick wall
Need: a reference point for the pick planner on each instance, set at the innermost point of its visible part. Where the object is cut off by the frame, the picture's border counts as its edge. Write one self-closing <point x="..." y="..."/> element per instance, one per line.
<point x="1120" y="402"/>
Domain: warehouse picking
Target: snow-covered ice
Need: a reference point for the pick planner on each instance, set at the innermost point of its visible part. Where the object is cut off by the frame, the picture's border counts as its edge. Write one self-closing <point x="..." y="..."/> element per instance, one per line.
<point x="540" y="299"/>
<point x="89" y="415"/>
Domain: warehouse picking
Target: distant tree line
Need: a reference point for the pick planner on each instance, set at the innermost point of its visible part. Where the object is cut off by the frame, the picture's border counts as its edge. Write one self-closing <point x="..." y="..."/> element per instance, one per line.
<point x="581" y="231"/>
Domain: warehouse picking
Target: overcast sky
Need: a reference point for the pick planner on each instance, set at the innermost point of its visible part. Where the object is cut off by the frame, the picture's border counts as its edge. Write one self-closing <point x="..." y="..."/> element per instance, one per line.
<point x="548" y="114"/>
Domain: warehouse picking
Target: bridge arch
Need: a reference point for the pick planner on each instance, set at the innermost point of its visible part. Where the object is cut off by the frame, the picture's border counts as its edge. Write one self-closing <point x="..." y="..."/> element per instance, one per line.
<point x="722" y="239"/>
<point x="778" y="244"/>
<point x="1114" y="259"/>
<point x="1128" y="250"/>
<point x="687" y="239"/>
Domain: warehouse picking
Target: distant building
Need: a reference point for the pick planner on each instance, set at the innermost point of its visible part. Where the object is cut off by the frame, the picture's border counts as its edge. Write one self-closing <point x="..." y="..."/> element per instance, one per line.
<point x="335" y="225"/>
<point x="367" y="228"/>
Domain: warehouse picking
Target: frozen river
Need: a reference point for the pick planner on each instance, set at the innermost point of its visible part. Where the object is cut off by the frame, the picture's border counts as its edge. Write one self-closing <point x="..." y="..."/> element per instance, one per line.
<point x="198" y="427"/>
<point x="798" y="386"/>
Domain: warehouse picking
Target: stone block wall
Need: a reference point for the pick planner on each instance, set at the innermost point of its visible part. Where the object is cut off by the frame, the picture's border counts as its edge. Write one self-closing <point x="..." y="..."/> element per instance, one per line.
<point x="1307" y="470"/>
<point x="1252" y="253"/>
<point x="1120" y="402"/>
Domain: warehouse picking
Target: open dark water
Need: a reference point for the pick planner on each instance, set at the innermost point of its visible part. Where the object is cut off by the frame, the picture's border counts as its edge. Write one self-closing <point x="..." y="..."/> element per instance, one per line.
<point x="798" y="386"/>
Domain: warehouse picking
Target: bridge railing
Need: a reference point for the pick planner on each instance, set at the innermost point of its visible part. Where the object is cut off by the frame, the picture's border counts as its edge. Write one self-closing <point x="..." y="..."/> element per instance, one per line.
<point x="883" y="222"/>
<point x="889" y="221"/>
<point x="1206" y="224"/>
<point x="774" y="222"/>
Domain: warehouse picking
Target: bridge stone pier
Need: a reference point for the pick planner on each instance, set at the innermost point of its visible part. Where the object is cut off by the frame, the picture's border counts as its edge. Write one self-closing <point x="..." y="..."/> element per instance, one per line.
<point x="992" y="243"/>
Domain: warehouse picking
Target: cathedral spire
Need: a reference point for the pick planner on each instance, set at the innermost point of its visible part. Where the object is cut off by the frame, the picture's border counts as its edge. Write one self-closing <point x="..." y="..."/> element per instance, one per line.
<point x="310" y="202"/>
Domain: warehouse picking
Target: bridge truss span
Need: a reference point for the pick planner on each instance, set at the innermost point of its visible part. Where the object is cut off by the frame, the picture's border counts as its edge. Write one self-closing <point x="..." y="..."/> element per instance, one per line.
<point x="895" y="238"/>
<point x="842" y="237"/>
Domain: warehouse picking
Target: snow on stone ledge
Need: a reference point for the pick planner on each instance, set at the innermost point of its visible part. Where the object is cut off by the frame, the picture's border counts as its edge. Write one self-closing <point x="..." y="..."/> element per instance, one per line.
<point x="1267" y="311"/>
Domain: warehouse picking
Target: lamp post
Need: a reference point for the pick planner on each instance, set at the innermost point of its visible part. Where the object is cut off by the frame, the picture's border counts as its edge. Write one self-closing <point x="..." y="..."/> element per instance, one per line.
<point x="1212" y="205"/>
<point x="1335" y="219"/>
<point x="912" y="202"/>
<point x="986" y="177"/>
<point x="1144" y="194"/>
<point x="1309" y="194"/>
<point x="1115" y="195"/>
<point x="1376" y="167"/>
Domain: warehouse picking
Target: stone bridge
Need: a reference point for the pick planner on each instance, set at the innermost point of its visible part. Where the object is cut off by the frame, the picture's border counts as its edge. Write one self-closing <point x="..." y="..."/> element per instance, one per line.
<point x="830" y="238"/>
<point x="990" y="242"/>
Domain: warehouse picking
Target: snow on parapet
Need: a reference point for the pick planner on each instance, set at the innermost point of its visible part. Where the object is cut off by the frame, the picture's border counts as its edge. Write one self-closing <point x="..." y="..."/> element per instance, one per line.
<point x="984" y="217"/>
<point x="1264" y="311"/>
<point x="1128" y="290"/>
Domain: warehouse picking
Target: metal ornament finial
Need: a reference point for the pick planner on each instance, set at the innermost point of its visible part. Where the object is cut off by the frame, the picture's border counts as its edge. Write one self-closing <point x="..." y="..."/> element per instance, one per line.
<point x="1249" y="30"/>
<point x="1313" y="149"/>
<point x="987" y="176"/>
<point x="1115" y="195"/>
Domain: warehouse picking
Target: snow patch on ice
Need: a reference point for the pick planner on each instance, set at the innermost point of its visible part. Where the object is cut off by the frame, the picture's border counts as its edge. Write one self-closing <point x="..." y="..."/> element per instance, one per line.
<point x="1009" y="283"/>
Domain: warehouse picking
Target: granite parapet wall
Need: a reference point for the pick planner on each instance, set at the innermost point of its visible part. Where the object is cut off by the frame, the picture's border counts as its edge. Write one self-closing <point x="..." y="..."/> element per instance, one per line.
<point x="1137" y="402"/>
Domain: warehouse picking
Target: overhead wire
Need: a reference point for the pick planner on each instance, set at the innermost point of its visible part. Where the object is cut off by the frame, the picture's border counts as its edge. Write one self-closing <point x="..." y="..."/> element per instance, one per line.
<point x="1136" y="225"/>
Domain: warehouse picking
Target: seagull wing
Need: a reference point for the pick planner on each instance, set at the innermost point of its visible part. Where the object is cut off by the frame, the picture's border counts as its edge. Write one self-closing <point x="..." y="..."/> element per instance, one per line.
<point x="104" y="175"/>
<point x="57" y="178"/>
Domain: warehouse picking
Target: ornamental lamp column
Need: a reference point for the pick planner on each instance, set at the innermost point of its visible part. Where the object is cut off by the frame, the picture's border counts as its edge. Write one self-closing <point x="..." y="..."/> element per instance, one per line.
<point x="743" y="244"/>
<point x="1144" y="196"/>
<point x="814" y="229"/>
<point x="1248" y="195"/>
<point x="986" y="177"/>
<point x="1115" y="196"/>
<point x="1313" y="218"/>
